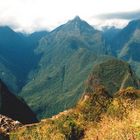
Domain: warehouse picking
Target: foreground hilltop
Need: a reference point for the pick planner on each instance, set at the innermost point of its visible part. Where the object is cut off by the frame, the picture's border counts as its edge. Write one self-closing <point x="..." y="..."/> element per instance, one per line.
<point x="96" y="116"/>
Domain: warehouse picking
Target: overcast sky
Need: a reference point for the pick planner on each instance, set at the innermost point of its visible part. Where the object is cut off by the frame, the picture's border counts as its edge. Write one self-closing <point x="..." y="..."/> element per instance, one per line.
<point x="33" y="15"/>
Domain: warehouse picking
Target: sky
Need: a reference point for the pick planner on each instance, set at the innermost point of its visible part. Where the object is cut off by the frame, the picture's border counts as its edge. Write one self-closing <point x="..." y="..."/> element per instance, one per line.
<point x="35" y="15"/>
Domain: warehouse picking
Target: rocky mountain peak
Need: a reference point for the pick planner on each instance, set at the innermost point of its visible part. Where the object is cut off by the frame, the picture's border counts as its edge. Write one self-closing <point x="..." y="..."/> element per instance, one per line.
<point x="77" y="18"/>
<point x="78" y="25"/>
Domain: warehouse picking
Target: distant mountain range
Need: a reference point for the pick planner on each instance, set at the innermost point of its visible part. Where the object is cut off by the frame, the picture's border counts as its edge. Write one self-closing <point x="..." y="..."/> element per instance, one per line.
<point x="49" y="69"/>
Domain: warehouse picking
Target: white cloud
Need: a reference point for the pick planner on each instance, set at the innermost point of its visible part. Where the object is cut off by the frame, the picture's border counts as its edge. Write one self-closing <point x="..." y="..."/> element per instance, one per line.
<point x="30" y="15"/>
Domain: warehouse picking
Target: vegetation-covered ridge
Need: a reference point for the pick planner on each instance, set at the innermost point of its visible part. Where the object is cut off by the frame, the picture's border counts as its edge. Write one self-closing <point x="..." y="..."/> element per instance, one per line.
<point x="96" y="116"/>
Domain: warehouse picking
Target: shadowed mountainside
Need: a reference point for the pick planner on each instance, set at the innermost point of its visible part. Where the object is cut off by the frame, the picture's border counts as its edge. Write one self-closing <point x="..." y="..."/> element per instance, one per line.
<point x="14" y="107"/>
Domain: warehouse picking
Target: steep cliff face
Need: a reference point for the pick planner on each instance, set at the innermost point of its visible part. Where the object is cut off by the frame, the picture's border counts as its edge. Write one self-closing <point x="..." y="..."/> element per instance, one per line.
<point x="14" y="107"/>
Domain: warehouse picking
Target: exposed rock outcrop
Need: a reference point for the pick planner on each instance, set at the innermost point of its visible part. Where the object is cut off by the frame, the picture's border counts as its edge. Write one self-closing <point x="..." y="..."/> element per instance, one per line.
<point x="7" y="124"/>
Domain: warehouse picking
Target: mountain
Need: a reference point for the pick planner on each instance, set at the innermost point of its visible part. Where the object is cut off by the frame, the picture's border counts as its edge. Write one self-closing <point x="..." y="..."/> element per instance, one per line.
<point x="7" y="75"/>
<point x="17" y="57"/>
<point x="71" y="75"/>
<point x="126" y="44"/>
<point x="37" y="35"/>
<point x="49" y="69"/>
<point x="67" y="56"/>
<point x="109" y="32"/>
<point x="15" y="107"/>
<point x="113" y="74"/>
<point x="73" y="32"/>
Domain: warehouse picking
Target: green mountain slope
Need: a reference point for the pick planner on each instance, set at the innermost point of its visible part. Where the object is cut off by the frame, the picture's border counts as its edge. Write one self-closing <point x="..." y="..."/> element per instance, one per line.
<point x="17" y="57"/>
<point x="7" y="75"/>
<point x="68" y="54"/>
<point x="114" y="75"/>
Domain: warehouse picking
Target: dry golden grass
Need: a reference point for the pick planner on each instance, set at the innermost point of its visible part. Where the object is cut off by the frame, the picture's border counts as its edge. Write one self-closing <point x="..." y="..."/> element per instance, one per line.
<point x="115" y="129"/>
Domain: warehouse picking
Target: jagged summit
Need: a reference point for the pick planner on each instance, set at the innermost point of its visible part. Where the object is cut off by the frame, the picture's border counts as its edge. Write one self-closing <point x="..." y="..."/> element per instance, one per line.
<point x="76" y="25"/>
<point x="77" y="19"/>
<point x="79" y="24"/>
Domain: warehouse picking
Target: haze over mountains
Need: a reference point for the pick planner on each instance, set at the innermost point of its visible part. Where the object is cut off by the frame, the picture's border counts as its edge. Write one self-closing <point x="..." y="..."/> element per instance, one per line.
<point x="48" y="69"/>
